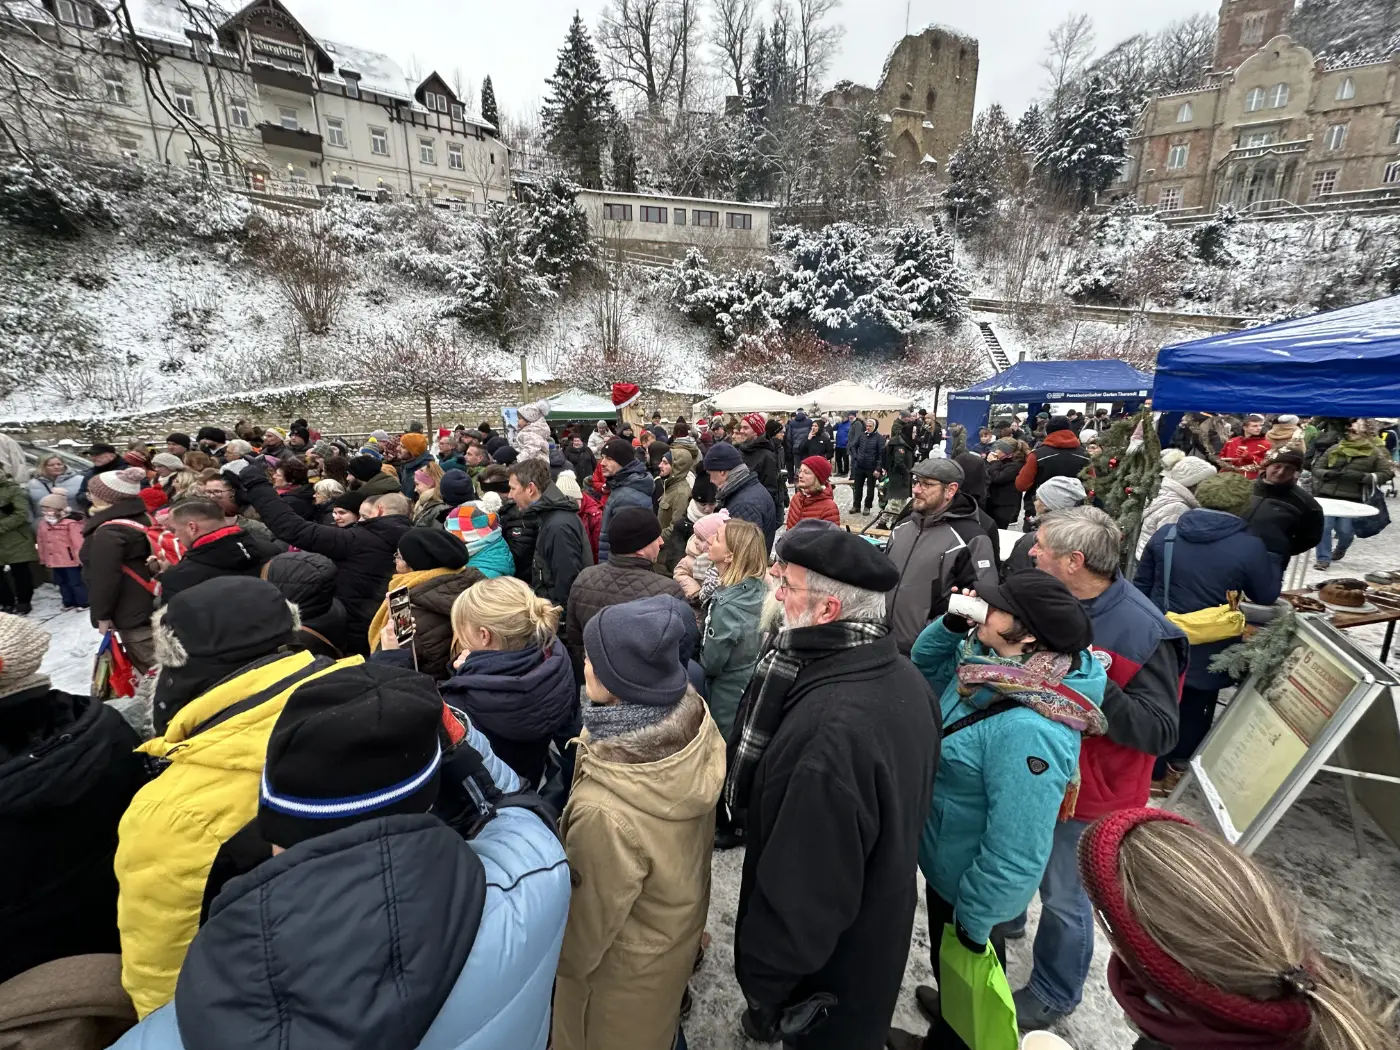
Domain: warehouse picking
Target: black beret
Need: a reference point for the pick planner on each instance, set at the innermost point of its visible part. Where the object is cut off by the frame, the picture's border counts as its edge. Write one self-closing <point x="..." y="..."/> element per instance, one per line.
<point x="843" y="556"/>
<point x="1045" y="606"/>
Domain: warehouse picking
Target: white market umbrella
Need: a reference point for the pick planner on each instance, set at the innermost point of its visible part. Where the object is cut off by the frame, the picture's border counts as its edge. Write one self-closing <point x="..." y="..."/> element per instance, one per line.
<point x="849" y="396"/>
<point x="753" y="397"/>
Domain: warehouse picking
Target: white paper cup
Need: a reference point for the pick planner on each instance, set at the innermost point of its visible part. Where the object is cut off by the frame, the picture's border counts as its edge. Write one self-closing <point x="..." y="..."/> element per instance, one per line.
<point x="1044" y="1041"/>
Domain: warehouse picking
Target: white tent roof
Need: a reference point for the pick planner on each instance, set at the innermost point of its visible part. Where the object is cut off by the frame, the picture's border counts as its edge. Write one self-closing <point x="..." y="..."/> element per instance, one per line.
<point x="752" y="397"/>
<point x="578" y="402"/>
<point x="838" y="397"/>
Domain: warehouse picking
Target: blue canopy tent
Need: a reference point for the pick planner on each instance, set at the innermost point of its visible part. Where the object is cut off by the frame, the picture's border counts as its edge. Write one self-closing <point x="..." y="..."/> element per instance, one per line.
<point x="1036" y="383"/>
<point x="1342" y="363"/>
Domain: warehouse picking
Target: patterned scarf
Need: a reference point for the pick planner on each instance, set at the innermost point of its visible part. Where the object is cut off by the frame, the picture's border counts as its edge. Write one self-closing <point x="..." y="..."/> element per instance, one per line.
<point x="1036" y="682"/>
<point x="709" y="585"/>
<point x="764" y="703"/>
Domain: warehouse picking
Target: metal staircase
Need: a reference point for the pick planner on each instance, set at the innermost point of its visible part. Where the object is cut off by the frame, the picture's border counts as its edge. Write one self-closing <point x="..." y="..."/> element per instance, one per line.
<point x="1000" y="362"/>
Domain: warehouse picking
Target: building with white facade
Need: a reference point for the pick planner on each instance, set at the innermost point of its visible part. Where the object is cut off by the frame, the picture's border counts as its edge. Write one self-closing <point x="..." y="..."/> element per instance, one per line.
<point x="663" y="225"/>
<point x="249" y="95"/>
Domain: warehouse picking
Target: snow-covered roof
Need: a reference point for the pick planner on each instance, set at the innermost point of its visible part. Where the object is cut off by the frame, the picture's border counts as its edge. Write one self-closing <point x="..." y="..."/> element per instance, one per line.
<point x="378" y="72"/>
<point x="168" y="19"/>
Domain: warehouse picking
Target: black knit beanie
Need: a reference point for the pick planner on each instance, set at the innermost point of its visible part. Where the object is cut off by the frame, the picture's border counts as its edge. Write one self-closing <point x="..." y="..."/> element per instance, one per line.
<point x="432" y="549"/>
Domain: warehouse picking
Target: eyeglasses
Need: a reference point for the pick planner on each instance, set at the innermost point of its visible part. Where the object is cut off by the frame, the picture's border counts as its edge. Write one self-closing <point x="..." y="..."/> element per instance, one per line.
<point x="926" y="483"/>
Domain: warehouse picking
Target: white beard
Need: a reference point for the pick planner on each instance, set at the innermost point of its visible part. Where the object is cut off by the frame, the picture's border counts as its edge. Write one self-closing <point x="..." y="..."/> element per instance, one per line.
<point x="806" y="618"/>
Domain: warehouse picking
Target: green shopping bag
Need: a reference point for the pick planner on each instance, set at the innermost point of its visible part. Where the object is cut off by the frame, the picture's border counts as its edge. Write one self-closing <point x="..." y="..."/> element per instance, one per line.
<point x="975" y="997"/>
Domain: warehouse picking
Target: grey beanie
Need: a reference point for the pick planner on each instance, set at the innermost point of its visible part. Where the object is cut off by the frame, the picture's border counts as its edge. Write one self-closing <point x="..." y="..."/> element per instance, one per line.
<point x="1060" y="493"/>
<point x="635" y="650"/>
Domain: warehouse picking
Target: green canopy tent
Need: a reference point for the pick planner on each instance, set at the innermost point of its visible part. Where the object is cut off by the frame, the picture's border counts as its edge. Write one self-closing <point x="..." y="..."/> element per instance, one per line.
<point x="579" y="404"/>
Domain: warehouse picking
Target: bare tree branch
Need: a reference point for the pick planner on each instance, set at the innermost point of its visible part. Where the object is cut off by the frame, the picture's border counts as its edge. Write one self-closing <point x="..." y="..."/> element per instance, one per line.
<point x="730" y="35"/>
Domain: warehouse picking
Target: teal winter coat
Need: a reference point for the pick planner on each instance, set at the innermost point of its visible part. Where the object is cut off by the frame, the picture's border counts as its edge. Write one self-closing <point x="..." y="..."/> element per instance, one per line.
<point x="730" y="647"/>
<point x="494" y="559"/>
<point x="997" y="792"/>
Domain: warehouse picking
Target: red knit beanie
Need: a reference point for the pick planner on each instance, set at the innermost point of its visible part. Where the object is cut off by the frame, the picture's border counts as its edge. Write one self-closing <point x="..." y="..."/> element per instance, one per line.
<point x="1098" y="870"/>
<point x="820" y="466"/>
<point x="756" y="422"/>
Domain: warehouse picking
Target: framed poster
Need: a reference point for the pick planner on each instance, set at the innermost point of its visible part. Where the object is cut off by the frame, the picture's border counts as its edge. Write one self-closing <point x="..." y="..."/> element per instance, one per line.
<point x="1275" y="737"/>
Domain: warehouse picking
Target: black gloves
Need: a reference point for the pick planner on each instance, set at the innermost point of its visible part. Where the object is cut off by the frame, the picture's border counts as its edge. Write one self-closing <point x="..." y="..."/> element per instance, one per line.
<point x="760" y="1023"/>
<point x="957" y="624"/>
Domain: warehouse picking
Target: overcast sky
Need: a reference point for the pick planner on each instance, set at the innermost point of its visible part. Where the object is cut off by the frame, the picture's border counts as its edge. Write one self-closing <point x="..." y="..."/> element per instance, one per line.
<point x="516" y="41"/>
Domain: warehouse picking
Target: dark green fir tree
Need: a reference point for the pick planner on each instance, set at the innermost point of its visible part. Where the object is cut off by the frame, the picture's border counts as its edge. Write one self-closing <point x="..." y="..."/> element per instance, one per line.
<point x="578" y="111"/>
<point x="489" y="112"/>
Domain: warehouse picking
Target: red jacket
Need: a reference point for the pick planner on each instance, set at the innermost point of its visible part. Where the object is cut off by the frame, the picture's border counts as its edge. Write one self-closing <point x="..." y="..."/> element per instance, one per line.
<point x="1245" y="454"/>
<point x="821" y="506"/>
<point x="1025" y="480"/>
<point x="590" y="512"/>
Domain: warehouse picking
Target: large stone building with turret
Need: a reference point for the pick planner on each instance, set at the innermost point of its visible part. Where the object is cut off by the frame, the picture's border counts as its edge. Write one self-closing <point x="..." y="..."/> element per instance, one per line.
<point x="925" y="95"/>
<point x="1269" y="126"/>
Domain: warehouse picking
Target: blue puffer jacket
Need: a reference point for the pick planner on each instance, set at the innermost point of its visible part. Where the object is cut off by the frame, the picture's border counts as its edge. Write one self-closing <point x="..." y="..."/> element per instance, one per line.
<point x="843" y="431"/>
<point x="796" y="431"/>
<point x="494" y="559"/>
<point x="750" y="501"/>
<point x="998" y="790"/>
<point x="369" y="937"/>
<point x="1214" y="553"/>
<point x="631" y="486"/>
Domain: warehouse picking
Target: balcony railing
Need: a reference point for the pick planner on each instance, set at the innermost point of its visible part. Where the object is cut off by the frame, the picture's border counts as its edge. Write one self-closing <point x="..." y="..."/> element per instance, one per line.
<point x="1247" y="152"/>
<point x="284" y="79"/>
<point x="290" y="138"/>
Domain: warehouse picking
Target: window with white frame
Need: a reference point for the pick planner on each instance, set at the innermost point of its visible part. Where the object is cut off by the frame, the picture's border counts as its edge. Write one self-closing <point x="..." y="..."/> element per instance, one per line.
<point x="454" y="156"/>
<point x="457" y="112"/>
<point x="297" y="175"/>
<point x="335" y="131"/>
<point x="1346" y="89"/>
<point x="1252" y="29"/>
<point x="130" y="148"/>
<point x="65" y="79"/>
<point x="239" y="116"/>
<point x="1323" y="182"/>
<point x="1278" y="96"/>
<point x="1335" y="137"/>
<point x="1254" y="100"/>
<point x="184" y="101"/>
<point x="1392" y="172"/>
<point x="435" y="102"/>
<point x="427" y="152"/>
<point x="1258" y="138"/>
<point x="194" y="161"/>
<point x="1169" y="198"/>
<point x="115" y="87"/>
<point x="74" y="12"/>
<point x="379" y="141"/>
<point x="1176" y="157"/>
<point x="352" y="87"/>
<point x="1185" y="113"/>
<point x="287" y="117"/>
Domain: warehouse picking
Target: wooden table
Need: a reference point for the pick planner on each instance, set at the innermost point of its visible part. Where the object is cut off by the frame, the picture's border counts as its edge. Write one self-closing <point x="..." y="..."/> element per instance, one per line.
<point x="1387" y="612"/>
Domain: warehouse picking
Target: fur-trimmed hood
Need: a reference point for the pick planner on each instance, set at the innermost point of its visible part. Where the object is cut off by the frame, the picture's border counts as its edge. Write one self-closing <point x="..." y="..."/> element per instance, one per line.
<point x="674" y="769"/>
<point x="171" y="652"/>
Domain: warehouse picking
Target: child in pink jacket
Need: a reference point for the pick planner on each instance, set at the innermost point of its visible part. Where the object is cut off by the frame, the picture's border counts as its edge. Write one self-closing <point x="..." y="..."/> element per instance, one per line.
<point x="60" y="535"/>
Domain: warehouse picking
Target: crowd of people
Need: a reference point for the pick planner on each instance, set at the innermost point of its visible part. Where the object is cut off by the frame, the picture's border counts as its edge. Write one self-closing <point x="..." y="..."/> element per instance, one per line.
<point x="433" y="735"/>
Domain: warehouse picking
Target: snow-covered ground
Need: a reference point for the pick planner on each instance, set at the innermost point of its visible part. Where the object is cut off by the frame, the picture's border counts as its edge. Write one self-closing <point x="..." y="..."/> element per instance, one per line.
<point x="1349" y="901"/>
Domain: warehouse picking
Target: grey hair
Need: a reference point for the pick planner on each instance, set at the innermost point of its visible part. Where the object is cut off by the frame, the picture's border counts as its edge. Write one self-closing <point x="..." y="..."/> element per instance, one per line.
<point x="236" y="449"/>
<point x="1087" y="530"/>
<point x="856" y="602"/>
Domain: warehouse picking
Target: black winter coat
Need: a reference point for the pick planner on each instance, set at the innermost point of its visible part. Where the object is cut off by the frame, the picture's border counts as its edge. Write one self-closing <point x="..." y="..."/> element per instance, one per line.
<point x="562" y="550"/>
<point x="898" y="465"/>
<point x="363" y="553"/>
<point x="63" y="788"/>
<point x="302" y="499"/>
<point x="228" y="552"/>
<point x="839" y="801"/>
<point x="1002" y="499"/>
<point x="112" y="594"/>
<point x="431" y="604"/>
<point x="976" y="479"/>
<point x="521" y="529"/>
<point x="307" y="580"/>
<point x="761" y="457"/>
<point x="1286" y="518"/>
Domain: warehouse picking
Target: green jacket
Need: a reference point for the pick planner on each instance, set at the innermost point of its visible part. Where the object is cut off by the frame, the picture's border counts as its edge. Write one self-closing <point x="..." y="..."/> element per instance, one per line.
<point x="16" y="534"/>
<point x="676" y="497"/>
<point x="730" y="647"/>
<point x="1349" y="477"/>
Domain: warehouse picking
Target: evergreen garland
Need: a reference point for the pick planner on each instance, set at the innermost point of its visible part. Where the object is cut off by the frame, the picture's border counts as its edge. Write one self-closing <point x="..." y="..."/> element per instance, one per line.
<point x="1263" y="653"/>
<point x="1125" y="482"/>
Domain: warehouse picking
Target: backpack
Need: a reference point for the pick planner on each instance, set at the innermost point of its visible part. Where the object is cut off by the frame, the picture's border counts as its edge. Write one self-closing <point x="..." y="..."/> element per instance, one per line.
<point x="164" y="546"/>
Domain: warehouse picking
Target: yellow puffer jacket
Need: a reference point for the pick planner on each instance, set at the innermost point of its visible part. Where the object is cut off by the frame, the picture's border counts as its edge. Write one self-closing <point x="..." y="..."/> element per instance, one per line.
<point x="172" y="831"/>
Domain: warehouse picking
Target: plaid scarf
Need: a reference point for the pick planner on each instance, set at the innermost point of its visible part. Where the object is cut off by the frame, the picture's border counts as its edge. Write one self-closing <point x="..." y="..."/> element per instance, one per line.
<point x="1037" y="682"/>
<point x="764" y="702"/>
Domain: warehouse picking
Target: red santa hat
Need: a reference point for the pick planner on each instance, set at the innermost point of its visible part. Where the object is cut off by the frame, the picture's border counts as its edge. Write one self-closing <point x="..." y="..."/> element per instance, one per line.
<point x="623" y="394"/>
